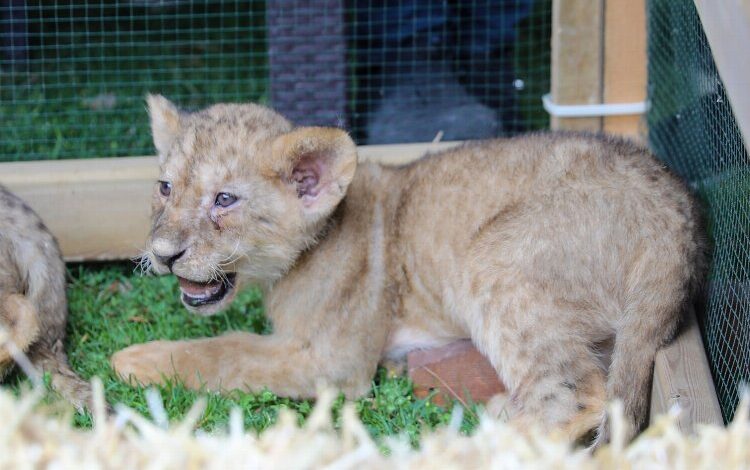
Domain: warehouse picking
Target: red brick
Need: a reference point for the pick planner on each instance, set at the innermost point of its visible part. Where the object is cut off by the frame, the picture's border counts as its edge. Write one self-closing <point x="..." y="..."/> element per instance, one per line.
<point x="457" y="370"/>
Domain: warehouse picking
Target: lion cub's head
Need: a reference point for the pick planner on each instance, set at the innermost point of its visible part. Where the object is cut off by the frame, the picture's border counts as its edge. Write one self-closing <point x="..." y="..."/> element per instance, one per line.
<point x="240" y="194"/>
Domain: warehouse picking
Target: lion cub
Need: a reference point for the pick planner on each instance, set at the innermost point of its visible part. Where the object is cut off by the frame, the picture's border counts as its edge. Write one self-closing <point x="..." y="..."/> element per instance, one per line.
<point x="539" y="248"/>
<point x="33" y="306"/>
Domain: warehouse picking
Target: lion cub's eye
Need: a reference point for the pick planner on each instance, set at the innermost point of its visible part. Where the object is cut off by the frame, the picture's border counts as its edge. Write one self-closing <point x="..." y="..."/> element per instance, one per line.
<point x="165" y="188"/>
<point x="225" y="199"/>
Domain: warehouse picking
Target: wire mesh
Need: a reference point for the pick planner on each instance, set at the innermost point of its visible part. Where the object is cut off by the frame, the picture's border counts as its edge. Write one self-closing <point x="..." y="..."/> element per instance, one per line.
<point x="467" y="69"/>
<point x="692" y="128"/>
<point x="73" y="74"/>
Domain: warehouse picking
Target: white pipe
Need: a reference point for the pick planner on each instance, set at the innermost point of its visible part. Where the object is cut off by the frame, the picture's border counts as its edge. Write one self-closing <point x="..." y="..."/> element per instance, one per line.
<point x="592" y="110"/>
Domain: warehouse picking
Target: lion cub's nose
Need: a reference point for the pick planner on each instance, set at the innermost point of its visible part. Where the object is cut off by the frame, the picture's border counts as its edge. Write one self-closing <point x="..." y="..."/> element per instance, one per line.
<point x="166" y="252"/>
<point x="169" y="260"/>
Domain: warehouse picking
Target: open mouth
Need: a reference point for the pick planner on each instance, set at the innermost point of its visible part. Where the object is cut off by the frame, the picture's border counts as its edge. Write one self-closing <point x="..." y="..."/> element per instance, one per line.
<point x="196" y="294"/>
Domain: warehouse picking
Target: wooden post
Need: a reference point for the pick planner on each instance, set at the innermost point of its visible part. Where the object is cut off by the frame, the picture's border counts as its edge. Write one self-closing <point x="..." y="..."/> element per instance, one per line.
<point x="599" y="56"/>
<point x="577" y="55"/>
<point x="625" y="63"/>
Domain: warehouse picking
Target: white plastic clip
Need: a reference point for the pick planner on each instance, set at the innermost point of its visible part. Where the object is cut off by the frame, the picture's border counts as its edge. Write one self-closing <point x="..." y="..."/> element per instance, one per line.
<point x="593" y="110"/>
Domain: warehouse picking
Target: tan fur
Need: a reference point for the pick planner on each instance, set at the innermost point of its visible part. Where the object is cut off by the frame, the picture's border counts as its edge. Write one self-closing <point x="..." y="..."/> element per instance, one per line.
<point x="19" y="318"/>
<point x="539" y="248"/>
<point x="33" y="306"/>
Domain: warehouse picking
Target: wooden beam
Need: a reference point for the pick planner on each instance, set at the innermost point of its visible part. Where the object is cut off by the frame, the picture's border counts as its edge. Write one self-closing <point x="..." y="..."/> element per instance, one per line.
<point x="400" y="154"/>
<point x="682" y="377"/>
<point x="625" y="63"/>
<point x="577" y="55"/>
<point x="727" y="28"/>
<point x="99" y="208"/>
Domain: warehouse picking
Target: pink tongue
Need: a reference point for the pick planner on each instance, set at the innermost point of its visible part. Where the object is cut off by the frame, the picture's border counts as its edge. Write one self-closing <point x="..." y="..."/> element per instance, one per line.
<point x="199" y="289"/>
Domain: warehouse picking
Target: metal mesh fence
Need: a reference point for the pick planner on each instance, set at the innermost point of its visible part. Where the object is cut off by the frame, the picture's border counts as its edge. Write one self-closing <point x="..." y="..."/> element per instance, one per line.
<point x="468" y="69"/>
<point x="73" y="74"/>
<point x="692" y="128"/>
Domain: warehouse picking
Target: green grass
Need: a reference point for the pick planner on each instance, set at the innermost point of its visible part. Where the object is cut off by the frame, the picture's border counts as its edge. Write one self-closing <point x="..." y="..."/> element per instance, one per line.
<point x="111" y="308"/>
<point x="81" y="93"/>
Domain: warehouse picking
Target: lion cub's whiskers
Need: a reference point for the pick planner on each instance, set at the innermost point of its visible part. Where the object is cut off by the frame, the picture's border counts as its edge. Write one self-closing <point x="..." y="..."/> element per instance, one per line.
<point x="143" y="262"/>
<point x="231" y="259"/>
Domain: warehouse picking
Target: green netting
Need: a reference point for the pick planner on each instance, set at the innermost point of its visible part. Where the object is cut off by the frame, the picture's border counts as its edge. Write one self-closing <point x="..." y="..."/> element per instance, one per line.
<point x="692" y="128"/>
<point x="73" y="74"/>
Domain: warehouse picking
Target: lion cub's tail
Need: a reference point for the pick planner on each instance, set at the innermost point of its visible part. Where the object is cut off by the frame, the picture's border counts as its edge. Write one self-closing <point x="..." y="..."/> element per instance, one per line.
<point x="19" y="319"/>
<point x="64" y="381"/>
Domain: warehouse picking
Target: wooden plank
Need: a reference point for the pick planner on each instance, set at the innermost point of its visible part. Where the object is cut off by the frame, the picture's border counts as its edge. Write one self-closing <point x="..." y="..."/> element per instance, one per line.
<point x="682" y="377"/>
<point x="577" y="54"/>
<point x="727" y="28"/>
<point x="625" y="63"/>
<point x="99" y="208"/>
<point x="79" y="170"/>
<point x="399" y="154"/>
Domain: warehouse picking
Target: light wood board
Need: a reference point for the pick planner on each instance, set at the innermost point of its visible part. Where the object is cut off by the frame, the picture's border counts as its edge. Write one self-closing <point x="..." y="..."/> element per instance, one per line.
<point x="682" y="378"/>
<point x="99" y="208"/>
<point x="625" y="63"/>
<point x="599" y="56"/>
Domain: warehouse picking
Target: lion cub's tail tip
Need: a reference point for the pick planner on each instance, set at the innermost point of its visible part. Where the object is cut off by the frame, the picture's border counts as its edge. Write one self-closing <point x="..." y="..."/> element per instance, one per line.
<point x="71" y="387"/>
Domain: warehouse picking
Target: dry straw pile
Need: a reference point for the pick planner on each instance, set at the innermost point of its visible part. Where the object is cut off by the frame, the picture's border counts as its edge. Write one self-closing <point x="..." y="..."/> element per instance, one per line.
<point x="29" y="438"/>
<point x="32" y="437"/>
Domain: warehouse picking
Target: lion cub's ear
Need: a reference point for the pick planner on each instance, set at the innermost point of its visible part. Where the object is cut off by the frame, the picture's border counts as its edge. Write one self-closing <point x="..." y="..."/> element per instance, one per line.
<point x="165" y="123"/>
<point x="317" y="163"/>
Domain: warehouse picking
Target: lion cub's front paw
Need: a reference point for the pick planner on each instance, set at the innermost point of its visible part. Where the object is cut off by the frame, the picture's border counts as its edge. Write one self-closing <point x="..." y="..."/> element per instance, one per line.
<point x="147" y="363"/>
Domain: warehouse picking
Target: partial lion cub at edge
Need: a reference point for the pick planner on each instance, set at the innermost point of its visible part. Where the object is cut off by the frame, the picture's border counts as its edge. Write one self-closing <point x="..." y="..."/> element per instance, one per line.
<point x="539" y="248"/>
<point x="33" y="304"/>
